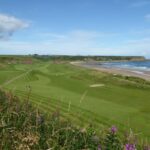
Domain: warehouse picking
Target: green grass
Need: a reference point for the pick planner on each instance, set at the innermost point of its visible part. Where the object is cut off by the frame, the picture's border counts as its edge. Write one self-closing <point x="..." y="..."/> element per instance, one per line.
<point x="122" y="101"/>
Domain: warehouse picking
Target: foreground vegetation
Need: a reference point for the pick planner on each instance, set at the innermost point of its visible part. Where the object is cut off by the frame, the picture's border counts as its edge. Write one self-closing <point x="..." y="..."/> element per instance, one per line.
<point x="23" y="127"/>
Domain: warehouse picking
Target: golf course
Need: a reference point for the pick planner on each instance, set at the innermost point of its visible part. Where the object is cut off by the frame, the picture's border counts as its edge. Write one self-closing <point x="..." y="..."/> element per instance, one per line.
<point x="84" y="96"/>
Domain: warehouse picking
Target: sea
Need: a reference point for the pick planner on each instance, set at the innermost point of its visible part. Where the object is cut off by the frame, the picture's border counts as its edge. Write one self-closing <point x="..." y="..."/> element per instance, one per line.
<point x="134" y="65"/>
<point x="137" y="67"/>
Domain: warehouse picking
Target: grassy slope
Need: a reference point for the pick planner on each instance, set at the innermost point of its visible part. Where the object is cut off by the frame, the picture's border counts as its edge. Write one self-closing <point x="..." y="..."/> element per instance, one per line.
<point x="120" y="101"/>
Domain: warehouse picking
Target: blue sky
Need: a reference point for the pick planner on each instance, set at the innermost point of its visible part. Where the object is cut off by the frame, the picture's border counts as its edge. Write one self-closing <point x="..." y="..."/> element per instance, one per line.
<point x="75" y="27"/>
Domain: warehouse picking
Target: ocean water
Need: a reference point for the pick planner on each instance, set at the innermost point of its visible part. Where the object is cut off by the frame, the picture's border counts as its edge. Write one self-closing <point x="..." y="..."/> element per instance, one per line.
<point x="136" y="65"/>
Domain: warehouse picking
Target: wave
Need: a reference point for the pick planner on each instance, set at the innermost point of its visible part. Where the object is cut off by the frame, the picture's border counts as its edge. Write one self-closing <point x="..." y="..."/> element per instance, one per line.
<point x="144" y="65"/>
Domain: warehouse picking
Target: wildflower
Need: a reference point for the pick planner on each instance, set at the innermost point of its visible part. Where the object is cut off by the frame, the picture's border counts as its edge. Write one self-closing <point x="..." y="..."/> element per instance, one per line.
<point x="113" y="130"/>
<point x="130" y="147"/>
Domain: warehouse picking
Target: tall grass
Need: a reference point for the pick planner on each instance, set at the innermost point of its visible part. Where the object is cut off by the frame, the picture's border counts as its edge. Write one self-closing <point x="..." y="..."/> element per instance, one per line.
<point x="24" y="127"/>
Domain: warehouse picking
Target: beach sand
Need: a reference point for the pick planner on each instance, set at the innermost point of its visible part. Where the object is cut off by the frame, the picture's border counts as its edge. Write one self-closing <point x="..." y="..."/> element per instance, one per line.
<point x="117" y="71"/>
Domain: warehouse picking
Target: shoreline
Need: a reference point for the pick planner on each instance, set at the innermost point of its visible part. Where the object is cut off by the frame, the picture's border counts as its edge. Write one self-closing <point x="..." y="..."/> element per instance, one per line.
<point x="117" y="71"/>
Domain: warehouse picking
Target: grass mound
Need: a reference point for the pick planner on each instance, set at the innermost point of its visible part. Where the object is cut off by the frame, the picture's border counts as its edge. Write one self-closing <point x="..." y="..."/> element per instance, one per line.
<point x="23" y="127"/>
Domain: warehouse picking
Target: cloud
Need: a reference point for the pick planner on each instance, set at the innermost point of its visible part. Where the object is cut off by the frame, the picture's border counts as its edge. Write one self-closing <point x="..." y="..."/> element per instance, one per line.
<point x="147" y="17"/>
<point x="9" y="25"/>
<point x="18" y="47"/>
<point x="50" y="35"/>
<point x="77" y="42"/>
<point x="73" y="42"/>
<point x="75" y="35"/>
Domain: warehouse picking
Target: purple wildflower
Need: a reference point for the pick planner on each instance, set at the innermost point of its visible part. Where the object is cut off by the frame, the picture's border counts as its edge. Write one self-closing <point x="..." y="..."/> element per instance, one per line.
<point x="113" y="130"/>
<point x="130" y="147"/>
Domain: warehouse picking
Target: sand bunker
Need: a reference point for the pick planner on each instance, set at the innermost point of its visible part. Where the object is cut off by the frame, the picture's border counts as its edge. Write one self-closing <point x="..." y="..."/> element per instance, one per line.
<point x="96" y="85"/>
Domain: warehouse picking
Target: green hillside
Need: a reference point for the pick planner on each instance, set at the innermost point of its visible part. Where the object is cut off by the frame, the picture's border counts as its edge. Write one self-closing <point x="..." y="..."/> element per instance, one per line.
<point x="84" y="96"/>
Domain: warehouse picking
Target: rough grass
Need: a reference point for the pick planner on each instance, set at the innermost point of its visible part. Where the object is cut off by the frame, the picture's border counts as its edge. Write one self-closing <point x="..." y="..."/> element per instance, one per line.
<point x="123" y="101"/>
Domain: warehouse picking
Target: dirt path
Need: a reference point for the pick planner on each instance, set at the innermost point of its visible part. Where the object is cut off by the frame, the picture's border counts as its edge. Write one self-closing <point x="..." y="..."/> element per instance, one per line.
<point x="15" y="78"/>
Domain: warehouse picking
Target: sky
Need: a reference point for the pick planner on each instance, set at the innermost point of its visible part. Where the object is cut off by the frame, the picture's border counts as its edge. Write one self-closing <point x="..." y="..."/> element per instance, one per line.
<point x="75" y="27"/>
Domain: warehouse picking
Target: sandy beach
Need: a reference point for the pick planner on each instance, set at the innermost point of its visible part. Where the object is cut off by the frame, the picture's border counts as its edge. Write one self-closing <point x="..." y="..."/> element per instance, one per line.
<point x="117" y="71"/>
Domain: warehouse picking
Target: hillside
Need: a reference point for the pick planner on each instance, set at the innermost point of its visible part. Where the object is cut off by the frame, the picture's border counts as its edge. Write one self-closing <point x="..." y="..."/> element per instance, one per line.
<point x="81" y="95"/>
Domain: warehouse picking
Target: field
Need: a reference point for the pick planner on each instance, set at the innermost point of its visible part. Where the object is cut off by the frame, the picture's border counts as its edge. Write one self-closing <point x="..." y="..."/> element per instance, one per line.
<point x="84" y="96"/>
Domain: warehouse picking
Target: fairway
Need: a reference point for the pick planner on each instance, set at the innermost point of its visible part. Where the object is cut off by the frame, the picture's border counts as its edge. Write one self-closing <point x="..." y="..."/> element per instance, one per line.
<point x="82" y="95"/>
